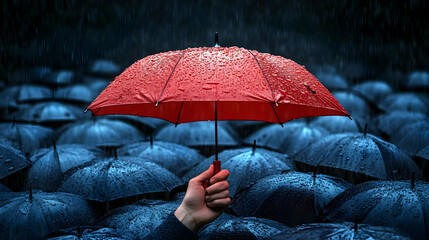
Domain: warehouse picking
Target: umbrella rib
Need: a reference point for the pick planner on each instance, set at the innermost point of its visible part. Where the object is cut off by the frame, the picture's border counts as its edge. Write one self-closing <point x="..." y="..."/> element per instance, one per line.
<point x="275" y="112"/>
<point x="171" y="74"/>
<point x="178" y="116"/>
<point x="263" y="73"/>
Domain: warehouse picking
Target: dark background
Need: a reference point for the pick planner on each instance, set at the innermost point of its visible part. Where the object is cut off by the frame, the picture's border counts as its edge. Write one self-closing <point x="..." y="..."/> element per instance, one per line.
<point x="363" y="39"/>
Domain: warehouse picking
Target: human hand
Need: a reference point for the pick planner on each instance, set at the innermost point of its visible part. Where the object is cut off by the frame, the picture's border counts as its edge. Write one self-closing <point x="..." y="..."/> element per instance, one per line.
<point x="201" y="206"/>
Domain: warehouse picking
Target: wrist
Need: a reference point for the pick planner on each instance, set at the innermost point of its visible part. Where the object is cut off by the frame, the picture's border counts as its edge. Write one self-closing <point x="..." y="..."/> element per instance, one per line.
<point x="183" y="215"/>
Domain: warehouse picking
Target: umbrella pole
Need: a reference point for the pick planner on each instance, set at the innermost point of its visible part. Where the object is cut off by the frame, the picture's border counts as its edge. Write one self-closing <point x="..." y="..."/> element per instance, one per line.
<point x="216" y="162"/>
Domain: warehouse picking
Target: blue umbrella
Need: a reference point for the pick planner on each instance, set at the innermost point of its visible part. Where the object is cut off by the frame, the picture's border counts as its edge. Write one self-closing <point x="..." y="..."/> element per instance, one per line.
<point x="332" y="80"/>
<point x="345" y="230"/>
<point x="291" y="198"/>
<point x="292" y="138"/>
<point x="25" y="93"/>
<point x="241" y="228"/>
<point x="246" y="166"/>
<point x="398" y="204"/>
<point x="104" y="67"/>
<point x="45" y="172"/>
<point x="99" y="132"/>
<point x="422" y="159"/>
<point x="418" y="81"/>
<point x="49" y="113"/>
<point x="78" y="93"/>
<point x="405" y="102"/>
<point x="26" y="137"/>
<point x="89" y="233"/>
<point x="34" y="215"/>
<point x="176" y="158"/>
<point x="58" y="78"/>
<point x="355" y="105"/>
<point x="108" y="179"/>
<point x="200" y="135"/>
<point x="374" y="90"/>
<point x="412" y="137"/>
<point x="389" y="123"/>
<point x="141" y="218"/>
<point x="11" y="160"/>
<point x="336" y="124"/>
<point x="357" y="157"/>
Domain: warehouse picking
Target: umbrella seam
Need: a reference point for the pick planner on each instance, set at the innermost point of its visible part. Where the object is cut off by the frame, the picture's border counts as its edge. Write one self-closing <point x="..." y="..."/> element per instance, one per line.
<point x="171" y="74"/>
<point x="263" y="73"/>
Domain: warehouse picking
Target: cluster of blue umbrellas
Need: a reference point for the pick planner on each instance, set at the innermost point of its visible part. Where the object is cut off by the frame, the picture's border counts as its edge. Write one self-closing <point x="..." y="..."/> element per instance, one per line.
<point x="65" y="176"/>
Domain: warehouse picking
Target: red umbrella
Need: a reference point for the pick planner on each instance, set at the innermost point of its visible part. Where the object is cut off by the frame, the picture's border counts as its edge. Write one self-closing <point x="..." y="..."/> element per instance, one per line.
<point x="217" y="83"/>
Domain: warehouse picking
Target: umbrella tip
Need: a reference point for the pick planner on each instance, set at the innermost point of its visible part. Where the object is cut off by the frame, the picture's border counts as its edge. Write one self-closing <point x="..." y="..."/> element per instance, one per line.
<point x="254" y="147"/>
<point x="413" y="180"/>
<point x="350" y="116"/>
<point x="355" y="226"/>
<point x="217" y="40"/>
<point x="151" y="140"/>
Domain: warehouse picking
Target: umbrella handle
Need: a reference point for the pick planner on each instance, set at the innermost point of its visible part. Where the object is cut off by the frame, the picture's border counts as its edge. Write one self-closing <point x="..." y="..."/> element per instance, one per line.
<point x="216" y="165"/>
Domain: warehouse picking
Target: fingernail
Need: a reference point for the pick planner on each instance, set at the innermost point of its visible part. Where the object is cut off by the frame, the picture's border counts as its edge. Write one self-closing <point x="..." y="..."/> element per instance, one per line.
<point x="212" y="180"/>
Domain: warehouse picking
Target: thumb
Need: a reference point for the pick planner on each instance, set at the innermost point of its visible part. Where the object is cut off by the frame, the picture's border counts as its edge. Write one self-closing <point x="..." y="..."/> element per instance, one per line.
<point x="205" y="175"/>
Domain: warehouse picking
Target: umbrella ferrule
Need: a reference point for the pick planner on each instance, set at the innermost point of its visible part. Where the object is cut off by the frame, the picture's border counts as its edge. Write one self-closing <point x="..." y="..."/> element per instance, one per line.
<point x="277" y="104"/>
<point x="156" y="104"/>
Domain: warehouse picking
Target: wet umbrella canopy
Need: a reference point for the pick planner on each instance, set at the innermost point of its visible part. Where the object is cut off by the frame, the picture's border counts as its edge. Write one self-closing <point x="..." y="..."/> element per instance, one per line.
<point x="289" y="139"/>
<point x="26" y="137"/>
<point x="398" y="204"/>
<point x="291" y="198"/>
<point x="246" y="166"/>
<point x="176" y="158"/>
<point x="141" y="218"/>
<point x="359" y="153"/>
<point x="104" y="180"/>
<point x="346" y="230"/>
<point x="33" y="215"/>
<point x="241" y="228"/>
<point x="99" y="132"/>
<point x="11" y="160"/>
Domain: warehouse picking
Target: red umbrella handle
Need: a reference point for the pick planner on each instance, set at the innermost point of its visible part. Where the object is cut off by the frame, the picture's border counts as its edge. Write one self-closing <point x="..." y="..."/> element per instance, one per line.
<point x="216" y="165"/>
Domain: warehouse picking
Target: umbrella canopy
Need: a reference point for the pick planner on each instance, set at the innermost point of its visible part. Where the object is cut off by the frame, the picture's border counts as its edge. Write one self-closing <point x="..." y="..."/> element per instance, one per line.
<point x="141" y="218"/>
<point x="332" y="80"/>
<point x="99" y="132"/>
<point x="405" y="102"/>
<point x="216" y="83"/>
<point x="11" y="160"/>
<point x="346" y="230"/>
<point x="290" y="139"/>
<point x="108" y="179"/>
<point x="359" y="153"/>
<point x="78" y="93"/>
<point x="26" y="137"/>
<point x="49" y="112"/>
<point x="34" y="215"/>
<point x="422" y="159"/>
<point x="26" y="93"/>
<point x="412" y="137"/>
<point x="45" y="172"/>
<point x="398" y="204"/>
<point x="183" y="86"/>
<point x="241" y="228"/>
<point x="89" y="234"/>
<point x="246" y="166"/>
<point x="291" y="198"/>
<point x="197" y="134"/>
<point x="178" y="159"/>
<point x="356" y="105"/>
<point x="418" y="80"/>
<point x="389" y="123"/>
<point x="336" y="124"/>
<point x="374" y="90"/>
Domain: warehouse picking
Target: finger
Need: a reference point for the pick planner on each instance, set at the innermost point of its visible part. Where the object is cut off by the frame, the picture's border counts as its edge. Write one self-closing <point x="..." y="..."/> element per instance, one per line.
<point x="205" y="175"/>
<point x="219" y="203"/>
<point x="220" y="176"/>
<point x="212" y="197"/>
<point x="217" y="188"/>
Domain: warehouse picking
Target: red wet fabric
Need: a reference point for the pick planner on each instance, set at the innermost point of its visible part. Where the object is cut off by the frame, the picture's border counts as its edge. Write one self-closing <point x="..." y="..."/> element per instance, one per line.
<point x="182" y="86"/>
